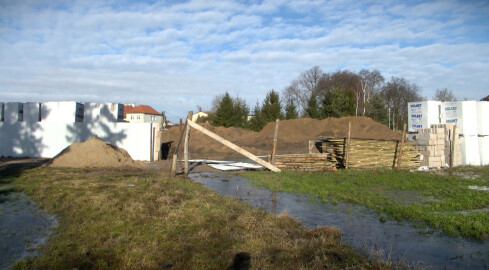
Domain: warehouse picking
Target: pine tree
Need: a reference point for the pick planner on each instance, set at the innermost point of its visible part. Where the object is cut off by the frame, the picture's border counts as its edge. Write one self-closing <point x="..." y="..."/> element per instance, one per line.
<point x="224" y="112"/>
<point x="290" y="110"/>
<point x="312" y="109"/>
<point x="256" y="122"/>
<point x="271" y="109"/>
<point x="378" y="110"/>
<point x="338" y="103"/>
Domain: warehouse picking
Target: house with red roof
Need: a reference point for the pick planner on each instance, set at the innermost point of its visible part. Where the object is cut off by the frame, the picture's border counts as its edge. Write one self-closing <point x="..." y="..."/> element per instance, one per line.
<point x="141" y="114"/>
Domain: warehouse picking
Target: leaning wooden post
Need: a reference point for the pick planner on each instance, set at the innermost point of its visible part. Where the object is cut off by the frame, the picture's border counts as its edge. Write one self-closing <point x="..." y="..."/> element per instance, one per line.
<point x="399" y="157"/>
<point x="452" y="149"/>
<point x="180" y="154"/>
<point x="347" y="154"/>
<point x="275" y="141"/>
<point x="176" y="153"/>
<point x="187" y="135"/>
<point x="234" y="147"/>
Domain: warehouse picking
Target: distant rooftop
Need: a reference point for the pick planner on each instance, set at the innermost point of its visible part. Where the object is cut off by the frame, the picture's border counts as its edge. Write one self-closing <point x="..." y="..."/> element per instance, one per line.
<point x="140" y="109"/>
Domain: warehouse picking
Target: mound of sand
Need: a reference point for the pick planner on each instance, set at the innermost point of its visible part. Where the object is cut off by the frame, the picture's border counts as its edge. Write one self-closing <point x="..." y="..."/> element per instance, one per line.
<point x="94" y="153"/>
<point x="293" y="136"/>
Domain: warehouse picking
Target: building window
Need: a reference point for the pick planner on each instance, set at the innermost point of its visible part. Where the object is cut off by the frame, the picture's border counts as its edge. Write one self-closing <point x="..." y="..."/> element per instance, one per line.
<point x="132" y="117"/>
<point x="139" y="117"/>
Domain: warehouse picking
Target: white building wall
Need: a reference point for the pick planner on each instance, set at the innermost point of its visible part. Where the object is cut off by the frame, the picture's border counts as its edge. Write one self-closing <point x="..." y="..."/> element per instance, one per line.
<point x="62" y="111"/>
<point x="47" y="139"/>
<point x="143" y="118"/>
<point x="423" y="114"/>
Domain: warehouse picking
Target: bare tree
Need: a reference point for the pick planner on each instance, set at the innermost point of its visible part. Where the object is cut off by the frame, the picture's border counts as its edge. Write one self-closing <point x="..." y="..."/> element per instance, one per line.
<point x="346" y="81"/>
<point x="370" y="84"/>
<point x="444" y="95"/>
<point x="397" y="93"/>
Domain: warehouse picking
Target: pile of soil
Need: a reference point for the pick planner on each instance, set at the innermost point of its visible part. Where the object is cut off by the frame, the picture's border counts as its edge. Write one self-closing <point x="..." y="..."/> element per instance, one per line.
<point x="94" y="153"/>
<point x="293" y="136"/>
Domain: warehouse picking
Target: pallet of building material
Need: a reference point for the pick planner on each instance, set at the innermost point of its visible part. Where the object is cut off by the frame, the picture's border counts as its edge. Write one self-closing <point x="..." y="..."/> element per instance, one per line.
<point x="305" y="162"/>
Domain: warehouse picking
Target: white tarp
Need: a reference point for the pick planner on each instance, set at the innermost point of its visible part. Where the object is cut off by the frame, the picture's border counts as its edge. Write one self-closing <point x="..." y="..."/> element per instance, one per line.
<point x="423" y="114"/>
<point x="235" y="166"/>
<point x="470" y="150"/>
<point x="483" y="118"/>
<point x="484" y="150"/>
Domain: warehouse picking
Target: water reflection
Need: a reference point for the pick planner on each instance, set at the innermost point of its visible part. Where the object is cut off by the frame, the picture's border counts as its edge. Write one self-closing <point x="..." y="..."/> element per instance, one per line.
<point x="360" y="226"/>
<point x="23" y="227"/>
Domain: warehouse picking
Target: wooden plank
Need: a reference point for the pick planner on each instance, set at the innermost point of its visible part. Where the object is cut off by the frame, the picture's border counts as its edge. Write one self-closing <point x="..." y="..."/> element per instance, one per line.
<point x="180" y="153"/>
<point x="347" y="154"/>
<point x="234" y="147"/>
<point x="175" y="154"/>
<point x="277" y="122"/>
<point x="187" y="137"/>
<point x="402" y="145"/>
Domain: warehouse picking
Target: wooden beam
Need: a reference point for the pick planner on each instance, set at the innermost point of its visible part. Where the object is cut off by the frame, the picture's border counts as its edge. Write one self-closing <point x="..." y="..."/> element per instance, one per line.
<point x="234" y="147"/>
<point x="175" y="154"/>
<point x="402" y="146"/>
<point x="277" y="122"/>
<point x="187" y="137"/>
<point x="179" y="151"/>
<point x="452" y="148"/>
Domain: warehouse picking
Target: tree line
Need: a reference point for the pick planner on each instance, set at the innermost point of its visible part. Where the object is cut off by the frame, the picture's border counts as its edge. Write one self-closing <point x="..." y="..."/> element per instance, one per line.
<point x="316" y="94"/>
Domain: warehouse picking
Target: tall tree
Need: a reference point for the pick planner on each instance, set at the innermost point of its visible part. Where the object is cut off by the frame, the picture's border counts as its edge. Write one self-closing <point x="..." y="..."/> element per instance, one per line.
<point x="347" y="81"/>
<point x="312" y="110"/>
<point x="290" y="110"/>
<point x="371" y="81"/>
<point x="224" y="112"/>
<point x="271" y="109"/>
<point x="444" y="95"/>
<point x="397" y="93"/>
<point x="377" y="109"/>
<point x="338" y="103"/>
<point x="256" y="122"/>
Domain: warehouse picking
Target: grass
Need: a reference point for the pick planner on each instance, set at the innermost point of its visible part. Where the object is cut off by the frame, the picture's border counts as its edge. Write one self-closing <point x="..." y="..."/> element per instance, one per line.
<point x="135" y="219"/>
<point x="435" y="200"/>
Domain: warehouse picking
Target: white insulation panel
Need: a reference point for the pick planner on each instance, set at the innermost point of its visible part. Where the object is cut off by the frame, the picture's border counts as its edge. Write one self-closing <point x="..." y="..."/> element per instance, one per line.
<point x="470" y="150"/>
<point x="483" y="118"/>
<point x="484" y="150"/>
<point x="423" y="114"/>
<point x="463" y="114"/>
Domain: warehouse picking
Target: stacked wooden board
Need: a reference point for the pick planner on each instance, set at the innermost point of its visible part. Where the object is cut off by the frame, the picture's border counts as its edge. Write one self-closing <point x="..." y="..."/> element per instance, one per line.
<point x="369" y="153"/>
<point x="305" y="162"/>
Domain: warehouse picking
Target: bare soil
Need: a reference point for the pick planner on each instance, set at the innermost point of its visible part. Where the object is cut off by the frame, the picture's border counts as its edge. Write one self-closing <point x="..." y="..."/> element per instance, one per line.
<point x="94" y="153"/>
<point x="293" y="136"/>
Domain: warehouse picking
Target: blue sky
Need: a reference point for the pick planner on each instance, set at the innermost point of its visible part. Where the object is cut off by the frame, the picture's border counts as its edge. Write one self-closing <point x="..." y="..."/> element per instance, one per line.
<point x="177" y="55"/>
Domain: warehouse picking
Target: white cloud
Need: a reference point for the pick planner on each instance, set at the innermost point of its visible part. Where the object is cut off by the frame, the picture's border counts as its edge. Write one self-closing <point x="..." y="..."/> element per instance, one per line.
<point x="184" y="54"/>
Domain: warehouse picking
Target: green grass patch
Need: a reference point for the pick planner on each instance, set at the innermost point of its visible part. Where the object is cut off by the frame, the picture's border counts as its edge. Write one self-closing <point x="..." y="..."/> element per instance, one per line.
<point x="135" y="219"/>
<point x="439" y="201"/>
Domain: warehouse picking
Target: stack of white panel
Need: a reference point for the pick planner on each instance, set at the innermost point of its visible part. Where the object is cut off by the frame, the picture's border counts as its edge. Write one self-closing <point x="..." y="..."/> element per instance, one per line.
<point x="103" y="112"/>
<point x="32" y="112"/>
<point x="112" y="112"/>
<point x="63" y="111"/>
<point x="483" y="131"/>
<point x="423" y="114"/>
<point x="1" y="110"/>
<point x="13" y="112"/>
<point x="92" y="112"/>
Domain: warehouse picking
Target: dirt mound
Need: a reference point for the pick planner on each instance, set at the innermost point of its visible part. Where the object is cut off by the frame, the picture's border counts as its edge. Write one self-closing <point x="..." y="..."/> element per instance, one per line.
<point x="293" y="136"/>
<point x="94" y="153"/>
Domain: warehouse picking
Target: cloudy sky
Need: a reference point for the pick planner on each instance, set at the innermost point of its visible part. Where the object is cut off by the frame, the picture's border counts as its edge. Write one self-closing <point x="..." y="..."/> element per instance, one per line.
<point x="177" y="55"/>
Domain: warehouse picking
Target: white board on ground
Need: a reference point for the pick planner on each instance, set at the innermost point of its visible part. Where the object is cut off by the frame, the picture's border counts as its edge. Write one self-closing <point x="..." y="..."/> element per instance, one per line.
<point x="470" y="150"/>
<point x="483" y="118"/>
<point x="484" y="150"/>
<point x="235" y="166"/>
<point x="423" y="114"/>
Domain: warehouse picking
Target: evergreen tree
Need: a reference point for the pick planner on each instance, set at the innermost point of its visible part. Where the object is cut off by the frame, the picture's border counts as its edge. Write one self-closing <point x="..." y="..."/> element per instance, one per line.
<point x="338" y="103"/>
<point x="378" y="109"/>
<point x="240" y="113"/>
<point x="256" y="122"/>
<point x="290" y="110"/>
<point x="271" y="109"/>
<point x="312" y="109"/>
<point x="225" y="112"/>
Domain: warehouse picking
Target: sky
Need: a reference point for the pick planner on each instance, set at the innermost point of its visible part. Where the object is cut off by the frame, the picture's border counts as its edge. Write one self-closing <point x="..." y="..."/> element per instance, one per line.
<point x="178" y="55"/>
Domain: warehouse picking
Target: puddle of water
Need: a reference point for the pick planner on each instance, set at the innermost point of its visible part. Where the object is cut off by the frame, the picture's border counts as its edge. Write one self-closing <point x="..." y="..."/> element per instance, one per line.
<point x="360" y="226"/>
<point x="23" y="228"/>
